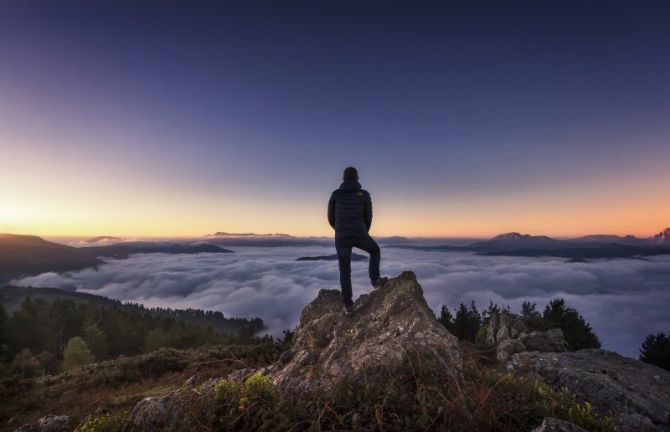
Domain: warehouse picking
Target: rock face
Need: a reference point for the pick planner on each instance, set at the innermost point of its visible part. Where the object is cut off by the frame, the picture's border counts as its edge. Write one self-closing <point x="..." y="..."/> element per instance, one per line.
<point x="510" y="335"/>
<point x="389" y="325"/>
<point x="636" y="394"/>
<point x="50" y="423"/>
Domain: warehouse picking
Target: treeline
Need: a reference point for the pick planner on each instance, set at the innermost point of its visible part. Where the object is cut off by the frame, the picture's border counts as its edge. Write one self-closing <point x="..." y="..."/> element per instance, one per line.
<point x="43" y="337"/>
<point x="240" y="327"/>
<point x="468" y="323"/>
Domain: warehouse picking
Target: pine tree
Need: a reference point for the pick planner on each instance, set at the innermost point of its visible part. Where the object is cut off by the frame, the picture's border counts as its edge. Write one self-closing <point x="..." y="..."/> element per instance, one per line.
<point x="76" y="354"/>
<point x="467" y="322"/>
<point x="532" y="317"/>
<point x="446" y="318"/>
<point x="577" y="332"/>
<point x="655" y="350"/>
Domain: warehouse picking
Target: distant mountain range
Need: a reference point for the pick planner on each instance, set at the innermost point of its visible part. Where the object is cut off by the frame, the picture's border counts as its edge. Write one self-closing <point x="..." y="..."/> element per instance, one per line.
<point x="25" y="255"/>
<point x="354" y="257"/>
<point x="228" y="239"/>
<point x="103" y="239"/>
<point x="586" y="247"/>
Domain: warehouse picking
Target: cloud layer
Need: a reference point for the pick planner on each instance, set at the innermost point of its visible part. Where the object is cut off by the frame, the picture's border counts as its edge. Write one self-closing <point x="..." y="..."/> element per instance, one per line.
<point x="624" y="300"/>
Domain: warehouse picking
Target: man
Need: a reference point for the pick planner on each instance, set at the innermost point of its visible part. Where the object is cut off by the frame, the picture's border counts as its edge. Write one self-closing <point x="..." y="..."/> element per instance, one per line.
<point x="350" y="214"/>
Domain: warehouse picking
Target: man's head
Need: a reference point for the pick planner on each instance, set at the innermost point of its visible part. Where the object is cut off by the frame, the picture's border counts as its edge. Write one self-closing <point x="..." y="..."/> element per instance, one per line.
<point x="350" y="174"/>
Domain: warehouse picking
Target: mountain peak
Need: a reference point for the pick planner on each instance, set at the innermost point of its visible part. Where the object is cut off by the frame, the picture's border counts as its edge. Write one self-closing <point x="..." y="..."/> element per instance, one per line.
<point x="662" y="238"/>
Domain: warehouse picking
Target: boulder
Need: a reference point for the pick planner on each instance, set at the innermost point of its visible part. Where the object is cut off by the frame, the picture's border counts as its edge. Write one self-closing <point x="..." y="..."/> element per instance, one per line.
<point x="509" y="334"/>
<point x="544" y="341"/>
<point x="506" y="348"/>
<point x="635" y="394"/>
<point x="173" y="410"/>
<point x="390" y="325"/>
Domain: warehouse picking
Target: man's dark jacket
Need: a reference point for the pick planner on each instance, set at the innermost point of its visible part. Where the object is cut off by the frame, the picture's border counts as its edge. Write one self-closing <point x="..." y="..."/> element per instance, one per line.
<point x="350" y="210"/>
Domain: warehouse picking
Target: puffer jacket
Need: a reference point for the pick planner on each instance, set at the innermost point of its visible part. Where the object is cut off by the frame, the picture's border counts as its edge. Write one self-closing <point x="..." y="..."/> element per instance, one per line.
<point x="350" y="210"/>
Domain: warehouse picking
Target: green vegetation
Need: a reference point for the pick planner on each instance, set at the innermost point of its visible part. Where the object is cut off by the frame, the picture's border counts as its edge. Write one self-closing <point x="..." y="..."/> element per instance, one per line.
<point x="42" y="336"/>
<point x="102" y="395"/>
<point x="76" y="354"/>
<point x="655" y="350"/>
<point x="469" y="324"/>
<point x="417" y="397"/>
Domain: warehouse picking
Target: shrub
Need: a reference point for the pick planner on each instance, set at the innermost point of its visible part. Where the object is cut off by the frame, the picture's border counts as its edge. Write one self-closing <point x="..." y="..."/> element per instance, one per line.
<point x="102" y="423"/>
<point x="76" y="354"/>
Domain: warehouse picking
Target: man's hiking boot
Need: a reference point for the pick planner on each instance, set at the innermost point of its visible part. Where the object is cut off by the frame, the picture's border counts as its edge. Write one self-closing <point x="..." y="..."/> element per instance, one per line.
<point x="348" y="310"/>
<point x="379" y="282"/>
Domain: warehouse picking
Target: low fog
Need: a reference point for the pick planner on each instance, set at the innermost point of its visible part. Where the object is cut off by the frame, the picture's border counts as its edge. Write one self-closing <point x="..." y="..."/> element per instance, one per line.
<point x="623" y="300"/>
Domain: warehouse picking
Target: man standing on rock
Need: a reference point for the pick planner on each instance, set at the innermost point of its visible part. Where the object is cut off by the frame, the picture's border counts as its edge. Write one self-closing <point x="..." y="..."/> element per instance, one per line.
<point x="350" y="215"/>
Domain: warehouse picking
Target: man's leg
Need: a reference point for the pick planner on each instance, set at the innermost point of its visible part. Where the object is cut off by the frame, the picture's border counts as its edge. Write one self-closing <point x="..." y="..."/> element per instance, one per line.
<point x="343" y="247"/>
<point x="370" y="246"/>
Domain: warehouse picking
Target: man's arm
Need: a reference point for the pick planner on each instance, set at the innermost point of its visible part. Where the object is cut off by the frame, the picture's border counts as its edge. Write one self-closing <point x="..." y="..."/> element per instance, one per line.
<point x="331" y="211"/>
<point x="367" y="212"/>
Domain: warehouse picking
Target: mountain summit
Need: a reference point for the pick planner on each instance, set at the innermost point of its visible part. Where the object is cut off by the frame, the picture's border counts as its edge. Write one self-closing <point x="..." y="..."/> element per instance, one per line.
<point x="662" y="238"/>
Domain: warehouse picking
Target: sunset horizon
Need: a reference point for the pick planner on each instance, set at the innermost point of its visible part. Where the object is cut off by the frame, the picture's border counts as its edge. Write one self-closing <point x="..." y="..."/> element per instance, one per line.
<point x="252" y="215"/>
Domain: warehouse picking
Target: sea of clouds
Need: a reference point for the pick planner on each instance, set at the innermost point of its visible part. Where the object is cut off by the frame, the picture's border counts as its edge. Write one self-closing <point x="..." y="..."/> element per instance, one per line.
<point x="623" y="299"/>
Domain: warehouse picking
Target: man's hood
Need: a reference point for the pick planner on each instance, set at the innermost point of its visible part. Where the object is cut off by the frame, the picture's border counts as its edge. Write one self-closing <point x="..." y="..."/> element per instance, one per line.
<point x="350" y="186"/>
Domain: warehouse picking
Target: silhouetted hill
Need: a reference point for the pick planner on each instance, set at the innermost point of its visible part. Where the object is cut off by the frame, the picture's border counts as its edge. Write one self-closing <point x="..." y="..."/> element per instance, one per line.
<point x="514" y="240"/>
<point x="628" y="240"/>
<point x="29" y="255"/>
<point x="25" y="255"/>
<point x="591" y="252"/>
<point x="586" y="247"/>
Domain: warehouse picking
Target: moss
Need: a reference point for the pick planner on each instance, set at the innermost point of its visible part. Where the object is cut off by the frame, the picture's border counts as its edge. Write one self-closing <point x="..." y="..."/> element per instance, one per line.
<point x="102" y="423"/>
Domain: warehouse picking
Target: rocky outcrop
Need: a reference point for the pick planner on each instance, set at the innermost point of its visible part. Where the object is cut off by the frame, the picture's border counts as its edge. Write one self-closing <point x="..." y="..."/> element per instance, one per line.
<point x="173" y="410"/>
<point x="636" y="394"/>
<point x="50" y="423"/>
<point x="510" y="335"/>
<point x="390" y="326"/>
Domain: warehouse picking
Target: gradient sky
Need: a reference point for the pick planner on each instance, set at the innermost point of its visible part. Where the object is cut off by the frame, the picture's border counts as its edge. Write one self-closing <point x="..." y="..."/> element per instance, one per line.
<point x="464" y="118"/>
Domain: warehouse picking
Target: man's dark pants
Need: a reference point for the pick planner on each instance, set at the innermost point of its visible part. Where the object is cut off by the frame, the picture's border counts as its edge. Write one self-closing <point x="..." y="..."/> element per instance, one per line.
<point x="343" y="246"/>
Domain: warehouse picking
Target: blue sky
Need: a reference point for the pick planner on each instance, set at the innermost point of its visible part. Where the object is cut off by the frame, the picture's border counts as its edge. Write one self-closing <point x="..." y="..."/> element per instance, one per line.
<point x="546" y="116"/>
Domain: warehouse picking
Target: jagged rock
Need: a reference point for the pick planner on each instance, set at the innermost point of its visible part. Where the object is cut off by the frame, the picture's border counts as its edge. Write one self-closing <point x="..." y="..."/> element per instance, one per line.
<point x="388" y="325"/>
<point x="509" y="335"/>
<point x="508" y="347"/>
<point x="547" y="341"/>
<point x="636" y="394"/>
<point x="550" y="424"/>
<point x="50" y="423"/>
<point x="169" y="412"/>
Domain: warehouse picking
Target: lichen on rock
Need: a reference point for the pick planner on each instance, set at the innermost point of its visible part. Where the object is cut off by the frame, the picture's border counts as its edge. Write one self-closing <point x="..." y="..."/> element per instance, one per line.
<point x="391" y="325"/>
<point x="636" y="394"/>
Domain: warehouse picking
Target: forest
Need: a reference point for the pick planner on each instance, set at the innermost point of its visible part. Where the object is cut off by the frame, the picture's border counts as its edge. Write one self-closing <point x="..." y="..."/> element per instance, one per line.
<point x="48" y="336"/>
